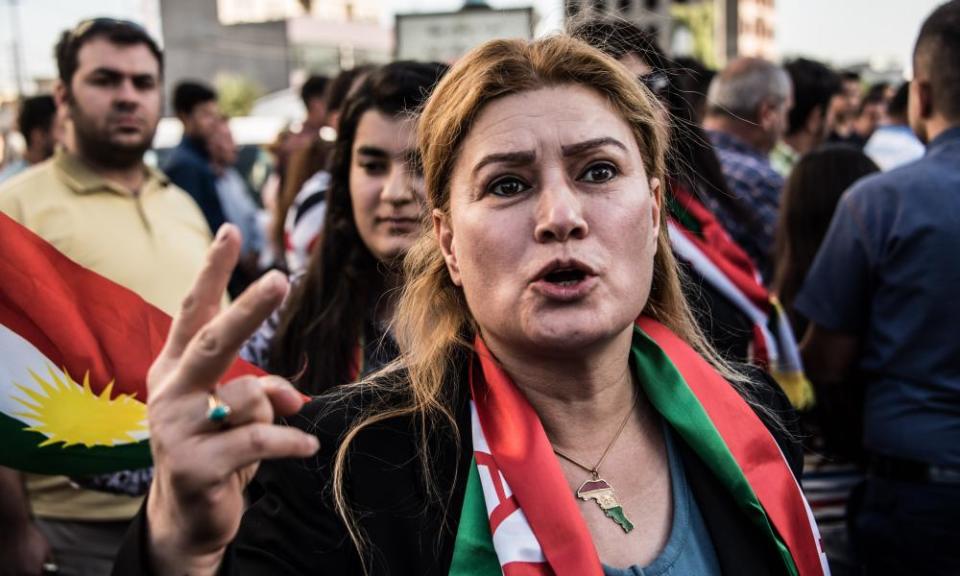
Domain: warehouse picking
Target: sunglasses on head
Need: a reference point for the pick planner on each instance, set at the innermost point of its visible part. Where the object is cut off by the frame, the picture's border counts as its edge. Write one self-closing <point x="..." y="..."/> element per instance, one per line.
<point x="90" y="25"/>
<point x="656" y="81"/>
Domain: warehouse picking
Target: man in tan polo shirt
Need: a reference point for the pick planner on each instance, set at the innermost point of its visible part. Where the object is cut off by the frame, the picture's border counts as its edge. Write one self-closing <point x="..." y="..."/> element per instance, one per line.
<point x="101" y="206"/>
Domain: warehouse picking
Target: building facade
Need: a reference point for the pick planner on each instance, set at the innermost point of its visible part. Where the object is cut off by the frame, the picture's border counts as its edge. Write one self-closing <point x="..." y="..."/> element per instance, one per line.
<point x="713" y="31"/>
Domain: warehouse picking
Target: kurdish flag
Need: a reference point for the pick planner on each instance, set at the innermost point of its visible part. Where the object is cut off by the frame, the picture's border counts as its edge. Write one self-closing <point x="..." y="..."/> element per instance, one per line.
<point x="519" y="517"/>
<point x="74" y="353"/>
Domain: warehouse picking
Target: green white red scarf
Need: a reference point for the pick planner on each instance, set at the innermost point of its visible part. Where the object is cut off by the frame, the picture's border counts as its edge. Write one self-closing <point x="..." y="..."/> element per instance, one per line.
<point x="519" y="516"/>
<point x="700" y="240"/>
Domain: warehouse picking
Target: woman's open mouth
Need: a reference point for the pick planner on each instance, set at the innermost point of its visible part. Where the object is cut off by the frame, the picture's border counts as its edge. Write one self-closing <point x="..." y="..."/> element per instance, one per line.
<point x="565" y="281"/>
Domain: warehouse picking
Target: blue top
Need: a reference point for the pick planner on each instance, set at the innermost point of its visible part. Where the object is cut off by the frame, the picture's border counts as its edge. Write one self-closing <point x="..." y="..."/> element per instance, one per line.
<point x="189" y="168"/>
<point x="753" y="181"/>
<point x="689" y="549"/>
<point x="888" y="272"/>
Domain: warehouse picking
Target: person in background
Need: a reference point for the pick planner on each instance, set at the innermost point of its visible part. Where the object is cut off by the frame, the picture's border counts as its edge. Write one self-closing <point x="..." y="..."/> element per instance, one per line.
<point x="313" y="93"/>
<point x="300" y="207"/>
<point x="894" y="143"/>
<point x="692" y="80"/>
<point x="100" y="205"/>
<point x="810" y="197"/>
<point x="879" y="299"/>
<point x="189" y="164"/>
<point x="237" y="202"/>
<point x="845" y="107"/>
<point x="37" y="123"/>
<point x="748" y="105"/>
<point x="814" y="87"/>
<point x="336" y="323"/>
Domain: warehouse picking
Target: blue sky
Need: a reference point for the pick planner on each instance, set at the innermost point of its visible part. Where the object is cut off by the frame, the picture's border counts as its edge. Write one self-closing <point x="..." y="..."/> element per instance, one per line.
<point x="840" y="31"/>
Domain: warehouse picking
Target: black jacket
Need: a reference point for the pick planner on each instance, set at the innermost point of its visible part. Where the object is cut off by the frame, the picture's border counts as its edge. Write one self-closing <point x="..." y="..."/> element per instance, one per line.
<point x="290" y="527"/>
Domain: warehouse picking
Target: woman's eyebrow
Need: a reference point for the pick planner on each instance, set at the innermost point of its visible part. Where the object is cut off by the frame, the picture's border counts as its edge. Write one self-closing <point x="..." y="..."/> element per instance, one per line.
<point x="581" y="147"/>
<point x="372" y="151"/>
<point x="520" y="157"/>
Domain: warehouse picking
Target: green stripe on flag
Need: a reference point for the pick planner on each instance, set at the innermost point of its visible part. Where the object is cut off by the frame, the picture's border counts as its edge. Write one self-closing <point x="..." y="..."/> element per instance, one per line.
<point x="473" y="552"/>
<point x="676" y="402"/>
<point x="22" y="451"/>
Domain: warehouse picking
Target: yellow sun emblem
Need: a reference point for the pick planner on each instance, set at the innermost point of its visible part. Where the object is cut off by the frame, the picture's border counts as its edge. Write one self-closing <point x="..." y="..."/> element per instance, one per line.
<point x="67" y="412"/>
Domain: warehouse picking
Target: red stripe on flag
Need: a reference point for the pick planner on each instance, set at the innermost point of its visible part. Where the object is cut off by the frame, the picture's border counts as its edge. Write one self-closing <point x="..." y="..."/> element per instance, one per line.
<point x="720" y="248"/>
<point x="78" y="319"/>
<point x="527" y="569"/>
<point x="521" y="451"/>
<point x="751" y="444"/>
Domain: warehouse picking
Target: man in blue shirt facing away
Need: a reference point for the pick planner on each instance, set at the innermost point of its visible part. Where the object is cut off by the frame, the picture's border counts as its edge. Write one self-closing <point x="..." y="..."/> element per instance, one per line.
<point x="189" y="165"/>
<point x="747" y="107"/>
<point x="881" y="298"/>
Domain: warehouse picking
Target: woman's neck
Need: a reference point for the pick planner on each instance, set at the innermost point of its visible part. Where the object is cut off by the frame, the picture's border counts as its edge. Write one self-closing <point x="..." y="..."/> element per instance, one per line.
<point x="579" y="397"/>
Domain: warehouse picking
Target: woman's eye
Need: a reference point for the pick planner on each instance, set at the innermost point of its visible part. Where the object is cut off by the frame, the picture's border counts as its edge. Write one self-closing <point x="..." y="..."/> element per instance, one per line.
<point x="507" y="187"/>
<point x="598" y="173"/>
<point x="374" y="167"/>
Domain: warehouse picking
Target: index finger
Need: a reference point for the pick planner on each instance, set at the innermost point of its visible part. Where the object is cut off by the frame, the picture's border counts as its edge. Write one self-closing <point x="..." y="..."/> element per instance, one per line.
<point x="206" y="295"/>
<point x="214" y="348"/>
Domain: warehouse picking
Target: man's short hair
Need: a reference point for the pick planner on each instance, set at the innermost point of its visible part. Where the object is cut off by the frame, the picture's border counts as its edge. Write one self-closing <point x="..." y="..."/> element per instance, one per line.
<point x="850" y="76"/>
<point x="740" y="88"/>
<point x="897" y="106"/>
<point x="122" y="32"/>
<point x="814" y="85"/>
<point x="189" y="94"/>
<point x="937" y="53"/>
<point x="36" y="112"/>
<point x="314" y="87"/>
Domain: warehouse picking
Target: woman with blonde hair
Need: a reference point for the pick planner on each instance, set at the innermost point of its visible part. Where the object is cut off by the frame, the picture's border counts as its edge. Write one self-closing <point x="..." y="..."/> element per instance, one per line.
<point x="554" y="409"/>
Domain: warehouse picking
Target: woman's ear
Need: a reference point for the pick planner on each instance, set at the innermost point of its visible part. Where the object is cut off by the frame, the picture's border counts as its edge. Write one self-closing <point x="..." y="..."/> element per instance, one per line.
<point x="656" y="194"/>
<point x="444" y="233"/>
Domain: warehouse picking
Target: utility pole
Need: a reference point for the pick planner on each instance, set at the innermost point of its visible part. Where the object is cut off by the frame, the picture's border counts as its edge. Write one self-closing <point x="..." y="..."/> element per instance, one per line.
<point x="15" y="45"/>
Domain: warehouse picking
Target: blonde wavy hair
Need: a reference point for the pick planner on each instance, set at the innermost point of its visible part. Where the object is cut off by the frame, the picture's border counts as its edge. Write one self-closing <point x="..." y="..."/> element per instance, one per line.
<point x="433" y="325"/>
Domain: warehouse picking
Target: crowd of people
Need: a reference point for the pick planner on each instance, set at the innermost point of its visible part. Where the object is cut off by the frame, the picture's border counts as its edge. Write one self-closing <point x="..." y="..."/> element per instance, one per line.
<point x="563" y="306"/>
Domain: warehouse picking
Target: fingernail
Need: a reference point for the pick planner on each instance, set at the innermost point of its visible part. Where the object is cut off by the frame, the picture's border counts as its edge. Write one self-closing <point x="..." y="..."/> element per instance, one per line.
<point x="313" y="444"/>
<point x="271" y="281"/>
<point x="221" y="234"/>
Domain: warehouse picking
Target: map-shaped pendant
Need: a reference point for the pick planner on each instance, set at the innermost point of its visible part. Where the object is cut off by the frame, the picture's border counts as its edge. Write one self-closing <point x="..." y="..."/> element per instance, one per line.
<point x="599" y="490"/>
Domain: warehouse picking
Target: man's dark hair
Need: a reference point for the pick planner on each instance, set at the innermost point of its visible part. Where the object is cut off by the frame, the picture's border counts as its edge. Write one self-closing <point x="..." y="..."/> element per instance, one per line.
<point x="122" y="32"/>
<point x="897" y="106"/>
<point x="937" y="54"/>
<point x="314" y="87"/>
<point x="36" y="112"/>
<point x="189" y="94"/>
<point x="814" y="85"/>
<point x="850" y="76"/>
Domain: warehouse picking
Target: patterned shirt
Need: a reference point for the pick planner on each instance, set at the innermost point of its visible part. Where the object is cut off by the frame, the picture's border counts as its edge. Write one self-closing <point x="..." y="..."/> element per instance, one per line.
<point x="753" y="181"/>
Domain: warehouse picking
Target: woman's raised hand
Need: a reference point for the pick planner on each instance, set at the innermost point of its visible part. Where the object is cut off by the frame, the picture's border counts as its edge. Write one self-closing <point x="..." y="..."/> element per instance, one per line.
<point x="201" y="467"/>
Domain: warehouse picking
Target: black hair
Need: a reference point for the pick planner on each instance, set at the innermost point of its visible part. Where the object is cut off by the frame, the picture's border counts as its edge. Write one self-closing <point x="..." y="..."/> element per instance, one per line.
<point x="339" y="88"/>
<point x="189" y="94"/>
<point x="122" y="32"/>
<point x="814" y="85"/>
<point x="897" y="106"/>
<point x="36" y="112"/>
<point x="619" y="38"/>
<point x="314" y="87"/>
<point x="809" y="200"/>
<point x="937" y="53"/>
<point x="849" y="76"/>
<point x="321" y="327"/>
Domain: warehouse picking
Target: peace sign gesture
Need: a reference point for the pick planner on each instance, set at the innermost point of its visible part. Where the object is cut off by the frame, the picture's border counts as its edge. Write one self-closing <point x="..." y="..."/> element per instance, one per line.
<point x="202" y="466"/>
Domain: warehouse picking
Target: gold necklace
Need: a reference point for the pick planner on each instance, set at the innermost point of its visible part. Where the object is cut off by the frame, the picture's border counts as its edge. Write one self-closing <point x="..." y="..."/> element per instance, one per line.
<point x="598" y="489"/>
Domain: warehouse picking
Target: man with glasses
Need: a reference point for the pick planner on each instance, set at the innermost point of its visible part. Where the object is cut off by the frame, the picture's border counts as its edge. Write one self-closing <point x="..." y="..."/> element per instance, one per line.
<point x="99" y="204"/>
